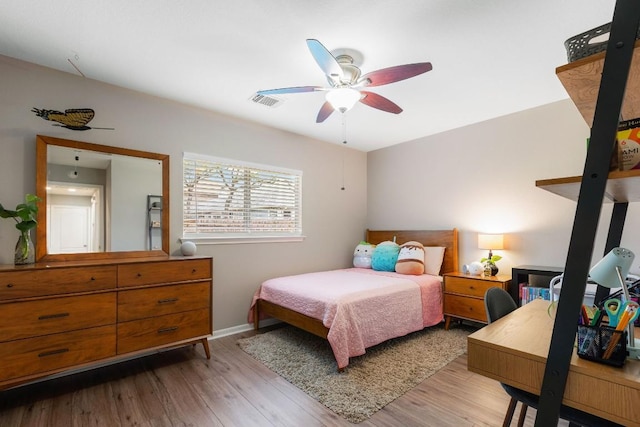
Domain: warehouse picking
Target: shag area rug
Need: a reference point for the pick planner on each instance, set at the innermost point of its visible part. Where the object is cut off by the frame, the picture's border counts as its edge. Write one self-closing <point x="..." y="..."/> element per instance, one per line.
<point x="371" y="381"/>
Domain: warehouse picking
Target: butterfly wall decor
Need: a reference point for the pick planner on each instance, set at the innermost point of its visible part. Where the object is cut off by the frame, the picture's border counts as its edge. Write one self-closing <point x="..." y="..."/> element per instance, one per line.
<point x="72" y="118"/>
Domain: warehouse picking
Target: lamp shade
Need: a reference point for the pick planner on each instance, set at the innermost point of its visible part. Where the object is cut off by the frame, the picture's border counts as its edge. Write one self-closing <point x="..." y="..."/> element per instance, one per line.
<point x="490" y="241"/>
<point x="605" y="271"/>
<point x="343" y="99"/>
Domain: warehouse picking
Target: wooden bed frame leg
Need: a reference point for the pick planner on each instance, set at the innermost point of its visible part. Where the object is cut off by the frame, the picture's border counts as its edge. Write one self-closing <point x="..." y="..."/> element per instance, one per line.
<point x="205" y="345"/>
<point x="447" y="322"/>
<point x="256" y="319"/>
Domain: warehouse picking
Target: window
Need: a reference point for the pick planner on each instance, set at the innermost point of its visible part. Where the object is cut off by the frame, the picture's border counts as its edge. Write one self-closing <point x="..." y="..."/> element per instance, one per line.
<point x="228" y="200"/>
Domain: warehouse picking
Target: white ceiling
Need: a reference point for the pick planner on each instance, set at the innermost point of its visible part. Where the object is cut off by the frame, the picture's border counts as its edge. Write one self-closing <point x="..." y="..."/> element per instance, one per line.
<point x="490" y="58"/>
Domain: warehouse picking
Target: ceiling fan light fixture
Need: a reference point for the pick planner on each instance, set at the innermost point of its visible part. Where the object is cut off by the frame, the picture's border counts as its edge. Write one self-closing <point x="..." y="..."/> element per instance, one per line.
<point x="343" y="99"/>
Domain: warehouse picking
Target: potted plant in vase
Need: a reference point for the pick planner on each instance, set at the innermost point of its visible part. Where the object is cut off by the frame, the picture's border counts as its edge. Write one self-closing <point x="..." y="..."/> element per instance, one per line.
<point x="25" y="217"/>
<point x="490" y="267"/>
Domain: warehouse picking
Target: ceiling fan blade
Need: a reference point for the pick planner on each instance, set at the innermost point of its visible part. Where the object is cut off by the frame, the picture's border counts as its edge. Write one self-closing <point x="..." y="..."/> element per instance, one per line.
<point x="394" y="74"/>
<point x="325" y="59"/>
<point x="325" y="111"/>
<point x="380" y="102"/>
<point x="297" y="89"/>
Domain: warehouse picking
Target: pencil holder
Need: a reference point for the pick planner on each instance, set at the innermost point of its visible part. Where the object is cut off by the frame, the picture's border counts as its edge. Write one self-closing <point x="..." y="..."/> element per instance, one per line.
<point x="602" y="344"/>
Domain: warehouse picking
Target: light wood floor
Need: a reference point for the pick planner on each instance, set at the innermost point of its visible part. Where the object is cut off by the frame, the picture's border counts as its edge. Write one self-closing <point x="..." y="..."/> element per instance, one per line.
<point x="182" y="388"/>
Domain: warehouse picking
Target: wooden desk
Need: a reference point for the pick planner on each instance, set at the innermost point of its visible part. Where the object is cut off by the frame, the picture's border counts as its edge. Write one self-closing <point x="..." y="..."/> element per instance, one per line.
<point x="513" y="350"/>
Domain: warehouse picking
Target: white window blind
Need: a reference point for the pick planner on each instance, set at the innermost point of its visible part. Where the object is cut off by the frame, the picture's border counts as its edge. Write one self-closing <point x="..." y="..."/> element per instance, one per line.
<point x="227" y="198"/>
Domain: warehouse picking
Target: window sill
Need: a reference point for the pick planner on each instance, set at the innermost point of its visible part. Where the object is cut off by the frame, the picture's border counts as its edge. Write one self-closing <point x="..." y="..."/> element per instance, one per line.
<point x="241" y="240"/>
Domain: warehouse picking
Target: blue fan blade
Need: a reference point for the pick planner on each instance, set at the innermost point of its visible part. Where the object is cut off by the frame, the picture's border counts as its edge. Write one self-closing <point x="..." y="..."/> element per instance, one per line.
<point x="325" y="60"/>
<point x="298" y="89"/>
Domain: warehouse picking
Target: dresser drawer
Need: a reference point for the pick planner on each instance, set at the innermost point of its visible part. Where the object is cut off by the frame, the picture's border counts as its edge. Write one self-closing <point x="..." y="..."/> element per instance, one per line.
<point x="150" y="302"/>
<point x="33" y="283"/>
<point x="53" y="315"/>
<point x="469" y="308"/>
<point x="158" y="331"/>
<point x="149" y="273"/>
<point x="467" y="286"/>
<point x="51" y="352"/>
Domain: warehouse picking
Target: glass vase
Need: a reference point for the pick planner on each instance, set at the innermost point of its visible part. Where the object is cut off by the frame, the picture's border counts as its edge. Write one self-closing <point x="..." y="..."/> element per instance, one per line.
<point x="487" y="269"/>
<point x="25" y="252"/>
<point x="490" y="268"/>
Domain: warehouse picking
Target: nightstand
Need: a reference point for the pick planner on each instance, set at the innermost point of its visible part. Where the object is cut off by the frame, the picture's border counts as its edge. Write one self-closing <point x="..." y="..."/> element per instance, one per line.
<point x="464" y="295"/>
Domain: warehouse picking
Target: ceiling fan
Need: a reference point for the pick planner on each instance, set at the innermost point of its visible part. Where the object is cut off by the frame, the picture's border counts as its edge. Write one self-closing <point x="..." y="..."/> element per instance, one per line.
<point x="346" y="83"/>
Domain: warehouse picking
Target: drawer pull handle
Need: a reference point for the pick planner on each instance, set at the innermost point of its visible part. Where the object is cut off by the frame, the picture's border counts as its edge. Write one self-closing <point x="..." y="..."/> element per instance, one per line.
<point x="10" y="285"/>
<point x="167" y="300"/>
<point x="167" y="330"/>
<point x="53" y="352"/>
<point x="139" y="275"/>
<point x="93" y="278"/>
<point x="194" y="270"/>
<point x="52" y="316"/>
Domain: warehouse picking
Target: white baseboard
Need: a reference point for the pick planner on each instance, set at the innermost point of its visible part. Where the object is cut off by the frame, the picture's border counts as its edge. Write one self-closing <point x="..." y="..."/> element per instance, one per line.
<point x="241" y="328"/>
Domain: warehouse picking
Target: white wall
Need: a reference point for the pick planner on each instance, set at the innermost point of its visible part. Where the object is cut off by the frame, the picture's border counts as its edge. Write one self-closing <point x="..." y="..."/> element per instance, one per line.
<point x="481" y="178"/>
<point x="333" y="220"/>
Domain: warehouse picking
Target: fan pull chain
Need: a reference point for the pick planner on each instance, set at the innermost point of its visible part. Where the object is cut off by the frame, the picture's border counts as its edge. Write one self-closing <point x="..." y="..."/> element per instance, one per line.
<point x="344" y="128"/>
<point x="344" y="141"/>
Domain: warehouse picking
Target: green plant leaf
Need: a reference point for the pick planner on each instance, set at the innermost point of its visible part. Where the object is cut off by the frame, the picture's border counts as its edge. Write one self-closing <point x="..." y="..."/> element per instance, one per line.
<point x="25" y="214"/>
<point x="26" y="225"/>
<point x="4" y="213"/>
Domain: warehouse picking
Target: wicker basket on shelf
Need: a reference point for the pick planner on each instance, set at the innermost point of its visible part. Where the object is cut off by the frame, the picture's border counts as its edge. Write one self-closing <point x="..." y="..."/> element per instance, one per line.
<point x="580" y="46"/>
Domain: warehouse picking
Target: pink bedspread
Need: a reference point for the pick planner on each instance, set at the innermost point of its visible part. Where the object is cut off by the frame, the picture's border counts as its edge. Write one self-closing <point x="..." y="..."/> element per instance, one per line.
<point x="361" y="307"/>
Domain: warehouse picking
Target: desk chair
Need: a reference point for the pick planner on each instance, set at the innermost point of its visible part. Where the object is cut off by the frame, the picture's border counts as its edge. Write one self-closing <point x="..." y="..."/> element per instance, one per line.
<point x="498" y="303"/>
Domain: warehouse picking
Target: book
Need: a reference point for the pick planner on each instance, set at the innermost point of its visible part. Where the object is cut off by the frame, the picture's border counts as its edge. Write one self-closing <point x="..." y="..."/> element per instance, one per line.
<point x="530" y="293"/>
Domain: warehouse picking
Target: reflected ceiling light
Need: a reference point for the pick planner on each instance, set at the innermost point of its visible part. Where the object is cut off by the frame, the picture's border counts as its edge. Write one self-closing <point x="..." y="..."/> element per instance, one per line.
<point x="343" y="99"/>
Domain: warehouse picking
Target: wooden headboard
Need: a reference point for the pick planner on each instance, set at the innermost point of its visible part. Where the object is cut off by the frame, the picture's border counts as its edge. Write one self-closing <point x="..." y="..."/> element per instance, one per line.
<point x="446" y="238"/>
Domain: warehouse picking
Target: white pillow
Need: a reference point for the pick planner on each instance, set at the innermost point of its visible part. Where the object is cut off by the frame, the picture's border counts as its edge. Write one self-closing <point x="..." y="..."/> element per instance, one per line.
<point x="433" y="257"/>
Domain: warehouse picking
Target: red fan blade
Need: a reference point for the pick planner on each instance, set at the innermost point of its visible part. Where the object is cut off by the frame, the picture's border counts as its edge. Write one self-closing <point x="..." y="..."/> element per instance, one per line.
<point x="297" y="89"/>
<point x="394" y="74"/>
<point x="325" y="111"/>
<point x="325" y="60"/>
<point x="380" y="102"/>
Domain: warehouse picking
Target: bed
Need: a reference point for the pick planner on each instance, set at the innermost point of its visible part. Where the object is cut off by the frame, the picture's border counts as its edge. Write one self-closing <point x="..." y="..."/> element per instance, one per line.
<point x="357" y="308"/>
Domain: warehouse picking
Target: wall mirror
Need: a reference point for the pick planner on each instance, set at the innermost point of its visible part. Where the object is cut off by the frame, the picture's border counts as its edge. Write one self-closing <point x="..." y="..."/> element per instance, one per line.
<point x="100" y="202"/>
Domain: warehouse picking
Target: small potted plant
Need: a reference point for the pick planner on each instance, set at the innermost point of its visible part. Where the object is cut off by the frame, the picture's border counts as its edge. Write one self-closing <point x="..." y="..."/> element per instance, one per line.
<point x="25" y="217"/>
<point x="490" y="264"/>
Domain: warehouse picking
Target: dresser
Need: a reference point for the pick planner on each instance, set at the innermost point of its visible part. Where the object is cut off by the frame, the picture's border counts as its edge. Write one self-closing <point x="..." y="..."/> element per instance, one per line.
<point x="58" y="317"/>
<point x="464" y="295"/>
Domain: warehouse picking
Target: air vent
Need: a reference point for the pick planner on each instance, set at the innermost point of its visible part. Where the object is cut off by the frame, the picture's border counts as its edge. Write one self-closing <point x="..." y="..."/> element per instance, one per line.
<point x="269" y="101"/>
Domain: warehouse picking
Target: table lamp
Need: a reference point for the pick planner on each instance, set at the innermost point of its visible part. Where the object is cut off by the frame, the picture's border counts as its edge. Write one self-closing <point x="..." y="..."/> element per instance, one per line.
<point x="491" y="242"/>
<point x="611" y="272"/>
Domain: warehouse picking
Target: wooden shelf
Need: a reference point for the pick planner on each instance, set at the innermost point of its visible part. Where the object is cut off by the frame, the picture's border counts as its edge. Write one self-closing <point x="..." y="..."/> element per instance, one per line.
<point x="581" y="79"/>
<point x="622" y="186"/>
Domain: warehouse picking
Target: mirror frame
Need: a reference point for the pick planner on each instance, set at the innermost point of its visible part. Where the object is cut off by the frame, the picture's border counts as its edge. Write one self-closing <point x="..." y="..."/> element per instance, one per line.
<point x="42" y="143"/>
